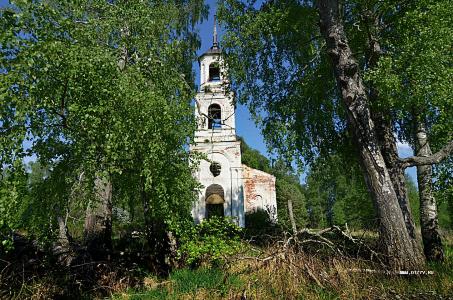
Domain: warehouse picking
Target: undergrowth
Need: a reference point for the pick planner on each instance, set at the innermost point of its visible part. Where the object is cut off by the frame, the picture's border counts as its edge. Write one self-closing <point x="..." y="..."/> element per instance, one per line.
<point x="278" y="273"/>
<point x="279" y="270"/>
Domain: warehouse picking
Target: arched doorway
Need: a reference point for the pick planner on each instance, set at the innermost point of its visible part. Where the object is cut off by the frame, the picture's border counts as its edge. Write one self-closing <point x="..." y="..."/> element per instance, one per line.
<point x="215" y="198"/>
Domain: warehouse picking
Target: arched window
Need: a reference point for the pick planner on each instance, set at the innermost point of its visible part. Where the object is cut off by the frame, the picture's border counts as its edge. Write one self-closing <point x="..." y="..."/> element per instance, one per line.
<point x="214" y="71"/>
<point x="214" y="116"/>
<point x="214" y="201"/>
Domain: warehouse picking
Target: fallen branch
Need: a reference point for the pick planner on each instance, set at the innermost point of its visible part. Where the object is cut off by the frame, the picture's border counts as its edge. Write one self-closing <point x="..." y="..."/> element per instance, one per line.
<point x="312" y="275"/>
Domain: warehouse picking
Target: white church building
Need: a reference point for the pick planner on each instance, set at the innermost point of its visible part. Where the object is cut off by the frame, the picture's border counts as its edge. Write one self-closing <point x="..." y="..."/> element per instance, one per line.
<point x="230" y="188"/>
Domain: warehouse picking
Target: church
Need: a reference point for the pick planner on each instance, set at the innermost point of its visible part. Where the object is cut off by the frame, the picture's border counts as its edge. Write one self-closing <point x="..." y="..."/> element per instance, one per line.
<point x="229" y="188"/>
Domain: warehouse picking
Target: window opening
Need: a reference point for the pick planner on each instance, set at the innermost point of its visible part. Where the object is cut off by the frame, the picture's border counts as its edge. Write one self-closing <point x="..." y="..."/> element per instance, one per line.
<point x="215" y="169"/>
<point x="214" y="72"/>
<point x="215" y="116"/>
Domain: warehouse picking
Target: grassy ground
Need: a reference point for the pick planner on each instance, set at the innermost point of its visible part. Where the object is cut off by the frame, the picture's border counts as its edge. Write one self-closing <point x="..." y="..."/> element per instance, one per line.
<point x="278" y="270"/>
<point x="276" y="274"/>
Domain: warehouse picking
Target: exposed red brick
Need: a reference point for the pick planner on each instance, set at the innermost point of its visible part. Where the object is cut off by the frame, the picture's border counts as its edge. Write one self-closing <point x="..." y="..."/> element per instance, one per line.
<point x="256" y="183"/>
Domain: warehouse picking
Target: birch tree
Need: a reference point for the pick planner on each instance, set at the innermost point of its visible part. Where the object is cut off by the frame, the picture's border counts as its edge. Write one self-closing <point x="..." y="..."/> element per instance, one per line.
<point x="80" y="95"/>
<point x="302" y="70"/>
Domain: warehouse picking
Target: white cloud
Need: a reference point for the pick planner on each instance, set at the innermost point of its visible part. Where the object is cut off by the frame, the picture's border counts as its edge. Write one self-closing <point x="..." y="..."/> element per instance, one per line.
<point x="404" y="149"/>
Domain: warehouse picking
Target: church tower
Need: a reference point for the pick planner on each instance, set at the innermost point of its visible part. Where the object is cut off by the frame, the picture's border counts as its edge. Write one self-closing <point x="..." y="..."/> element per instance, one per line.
<point x="221" y="174"/>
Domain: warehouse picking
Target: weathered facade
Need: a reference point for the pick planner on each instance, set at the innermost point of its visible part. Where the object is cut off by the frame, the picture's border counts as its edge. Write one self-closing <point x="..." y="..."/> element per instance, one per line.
<point x="259" y="191"/>
<point x="229" y="187"/>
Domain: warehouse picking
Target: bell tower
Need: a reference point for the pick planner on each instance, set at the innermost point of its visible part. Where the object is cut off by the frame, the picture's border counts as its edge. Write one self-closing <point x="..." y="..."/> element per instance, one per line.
<point x="221" y="172"/>
<point x="215" y="108"/>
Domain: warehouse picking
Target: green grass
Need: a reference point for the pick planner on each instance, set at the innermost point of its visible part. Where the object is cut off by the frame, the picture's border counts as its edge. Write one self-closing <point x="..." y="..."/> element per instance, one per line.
<point x="151" y="294"/>
<point x="445" y="267"/>
<point x="189" y="282"/>
<point x="277" y="279"/>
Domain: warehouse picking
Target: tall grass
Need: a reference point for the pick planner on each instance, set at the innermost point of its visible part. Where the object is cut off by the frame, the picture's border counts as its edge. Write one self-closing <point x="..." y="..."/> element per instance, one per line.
<point x="290" y="274"/>
<point x="277" y="271"/>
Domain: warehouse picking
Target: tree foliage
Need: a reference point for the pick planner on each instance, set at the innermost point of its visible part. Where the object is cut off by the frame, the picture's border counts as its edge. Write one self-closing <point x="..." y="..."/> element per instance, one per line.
<point x="337" y="194"/>
<point x="306" y="78"/>
<point x="414" y="74"/>
<point x="277" y="66"/>
<point x="98" y="88"/>
<point x="414" y="77"/>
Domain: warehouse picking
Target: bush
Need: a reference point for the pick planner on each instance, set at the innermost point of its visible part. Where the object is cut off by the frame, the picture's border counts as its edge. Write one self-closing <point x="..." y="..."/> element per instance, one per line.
<point x="210" y="241"/>
<point x="6" y="241"/>
<point x="259" y="223"/>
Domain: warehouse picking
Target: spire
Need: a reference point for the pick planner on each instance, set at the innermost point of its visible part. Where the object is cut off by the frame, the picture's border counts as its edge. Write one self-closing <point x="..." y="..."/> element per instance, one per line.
<point x="215" y="44"/>
<point x="214" y="49"/>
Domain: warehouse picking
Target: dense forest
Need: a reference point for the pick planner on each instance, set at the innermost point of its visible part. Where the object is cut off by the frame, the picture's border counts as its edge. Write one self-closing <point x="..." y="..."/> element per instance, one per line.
<point x="335" y="193"/>
<point x="97" y="119"/>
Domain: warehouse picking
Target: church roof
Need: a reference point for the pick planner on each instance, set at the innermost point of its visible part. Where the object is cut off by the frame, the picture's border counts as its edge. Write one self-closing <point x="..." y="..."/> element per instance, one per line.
<point x="212" y="50"/>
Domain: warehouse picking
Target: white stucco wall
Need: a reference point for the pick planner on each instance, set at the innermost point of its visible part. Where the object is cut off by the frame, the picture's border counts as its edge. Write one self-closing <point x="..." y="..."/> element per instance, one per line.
<point x="228" y="130"/>
<point x="228" y="155"/>
<point x="220" y="145"/>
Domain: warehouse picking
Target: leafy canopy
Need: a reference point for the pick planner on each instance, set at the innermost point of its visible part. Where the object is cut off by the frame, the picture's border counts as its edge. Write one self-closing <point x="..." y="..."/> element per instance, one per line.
<point x="98" y="88"/>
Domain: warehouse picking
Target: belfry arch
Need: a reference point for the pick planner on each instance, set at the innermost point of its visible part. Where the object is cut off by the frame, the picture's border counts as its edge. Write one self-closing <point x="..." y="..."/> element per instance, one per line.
<point x="214" y="72"/>
<point x="215" y="116"/>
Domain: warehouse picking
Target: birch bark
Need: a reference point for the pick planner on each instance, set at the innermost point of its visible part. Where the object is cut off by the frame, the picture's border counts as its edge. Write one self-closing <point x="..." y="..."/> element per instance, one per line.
<point x="396" y="241"/>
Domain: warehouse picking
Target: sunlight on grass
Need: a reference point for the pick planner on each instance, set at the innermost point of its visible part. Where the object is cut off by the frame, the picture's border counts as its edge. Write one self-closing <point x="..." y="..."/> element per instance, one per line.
<point x="288" y="278"/>
<point x="191" y="283"/>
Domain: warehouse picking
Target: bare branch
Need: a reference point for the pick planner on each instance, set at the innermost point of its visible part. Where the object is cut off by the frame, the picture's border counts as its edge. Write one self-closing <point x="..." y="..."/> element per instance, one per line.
<point x="428" y="160"/>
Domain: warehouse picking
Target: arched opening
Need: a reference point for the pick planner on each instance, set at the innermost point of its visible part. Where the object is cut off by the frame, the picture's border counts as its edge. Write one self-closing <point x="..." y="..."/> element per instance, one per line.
<point x="214" y="116"/>
<point x="214" y="71"/>
<point x="214" y="201"/>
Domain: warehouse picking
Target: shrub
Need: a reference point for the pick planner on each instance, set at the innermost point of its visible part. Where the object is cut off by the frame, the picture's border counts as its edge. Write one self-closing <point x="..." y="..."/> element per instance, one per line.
<point x="210" y="241"/>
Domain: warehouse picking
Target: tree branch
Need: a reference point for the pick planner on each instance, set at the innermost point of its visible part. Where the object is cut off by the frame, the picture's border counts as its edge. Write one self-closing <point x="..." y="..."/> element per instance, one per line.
<point x="428" y="160"/>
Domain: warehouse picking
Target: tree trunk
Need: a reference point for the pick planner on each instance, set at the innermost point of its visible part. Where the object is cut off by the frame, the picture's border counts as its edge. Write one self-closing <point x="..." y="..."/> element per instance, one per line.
<point x="159" y="240"/>
<point x="98" y="219"/>
<point x="432" y="241"/>
<point x="291" y="216"/>
<point x="63" y="248"/>
<point x="64" y="238"/>
<point x="389" y="150"/>
<point x="396" y="241"/>
<point x="384" y="131"/>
